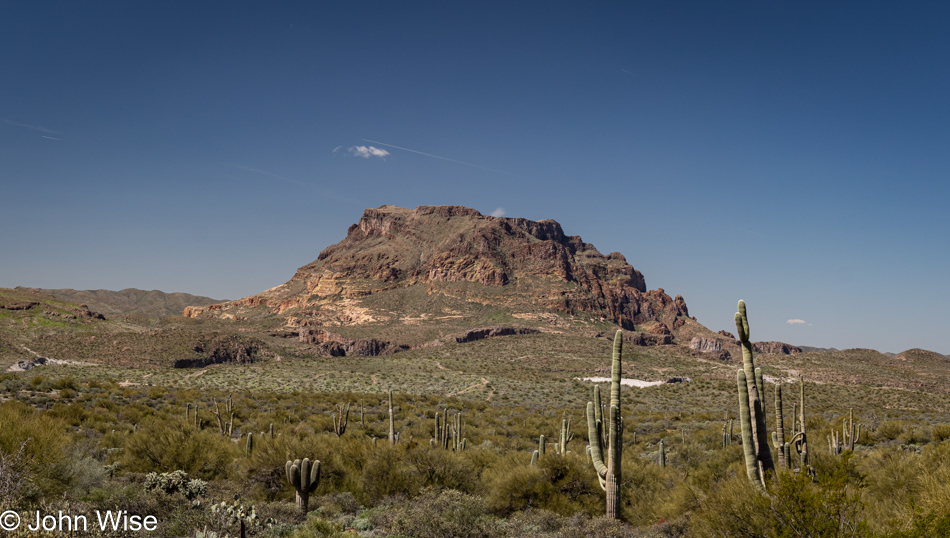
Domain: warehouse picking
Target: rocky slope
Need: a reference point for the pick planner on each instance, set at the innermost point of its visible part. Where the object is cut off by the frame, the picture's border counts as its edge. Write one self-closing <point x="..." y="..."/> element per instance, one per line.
<point x="394" y="262"/>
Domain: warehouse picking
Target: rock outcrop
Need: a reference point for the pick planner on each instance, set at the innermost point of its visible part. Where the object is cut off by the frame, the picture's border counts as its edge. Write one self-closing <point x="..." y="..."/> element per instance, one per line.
<point x="706" y="345"/>
<point x="775" y="347"/>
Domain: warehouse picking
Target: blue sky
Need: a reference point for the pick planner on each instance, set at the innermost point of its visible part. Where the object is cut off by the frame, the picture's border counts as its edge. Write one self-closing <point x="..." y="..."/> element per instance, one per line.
<point x="794" y="155"/>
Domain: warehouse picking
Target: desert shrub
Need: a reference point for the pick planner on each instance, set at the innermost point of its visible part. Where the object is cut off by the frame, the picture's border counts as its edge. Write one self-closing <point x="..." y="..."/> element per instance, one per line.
<point x="826" y="506"/>
<point x="732" y="508"/>
<point x="442" y="468"/>
<point x="169" y="444"/>
<point x="72" y="414"/>
<point x="387" y="474"/>
<point x="440" y="514"/>
<point x="889" y="430"/>
<point x="934" y="479"/>
<point x="38" y="442"/>
<point x="513" y="485"/>
<point x="926" y="526"/>
<point x="65" y="383"/>
<point x="318" y="527"/>
<point x="891" y="484"/>
<point x="940" y="432"/>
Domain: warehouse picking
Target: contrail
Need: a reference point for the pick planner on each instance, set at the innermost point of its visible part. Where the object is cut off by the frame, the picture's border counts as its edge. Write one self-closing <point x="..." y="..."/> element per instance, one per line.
<point x="34" y="127"/>
<point x="270" y="174"/>
<point x="439" y="157"/>
<point x="51" y="137"/>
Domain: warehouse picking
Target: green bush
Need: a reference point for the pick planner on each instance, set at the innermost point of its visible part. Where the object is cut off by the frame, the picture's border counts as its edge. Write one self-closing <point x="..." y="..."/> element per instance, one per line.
<point x="441" y="514"/>
<point x="164" y="445"/>
<point x="41" y="442"/>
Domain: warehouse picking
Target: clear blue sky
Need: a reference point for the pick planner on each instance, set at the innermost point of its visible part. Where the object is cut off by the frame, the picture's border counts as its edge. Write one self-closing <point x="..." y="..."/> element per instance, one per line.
<point x="791" y="154"/>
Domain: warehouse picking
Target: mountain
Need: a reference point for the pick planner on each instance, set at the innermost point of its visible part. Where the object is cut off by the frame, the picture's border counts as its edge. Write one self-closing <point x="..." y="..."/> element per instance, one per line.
<point x="151" y="304"/>
<point x="413" y="275"/>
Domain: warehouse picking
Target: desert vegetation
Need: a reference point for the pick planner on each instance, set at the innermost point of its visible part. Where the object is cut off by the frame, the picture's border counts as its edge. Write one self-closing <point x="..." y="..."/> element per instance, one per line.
<point x="484" y="438"/>
<point x="73" y="439"/>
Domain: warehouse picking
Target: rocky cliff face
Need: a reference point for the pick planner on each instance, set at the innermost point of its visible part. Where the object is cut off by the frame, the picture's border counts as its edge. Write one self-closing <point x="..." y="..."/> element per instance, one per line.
<point x="523" y="265"/>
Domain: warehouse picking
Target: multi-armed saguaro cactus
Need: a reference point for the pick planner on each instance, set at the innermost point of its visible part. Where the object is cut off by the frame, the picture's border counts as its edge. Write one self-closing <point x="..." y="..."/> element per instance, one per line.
<point x="224" y="430"/>
<point x="341" y="419"/>
<point x="304" y="476"/>
<point x="565" y="437"/>
<point x="800" y="440"/>
<point x="846" y="440"/>
<point x="446" y="437"/>
<point x="755" y="441"/>
<point x="608" y="468"/>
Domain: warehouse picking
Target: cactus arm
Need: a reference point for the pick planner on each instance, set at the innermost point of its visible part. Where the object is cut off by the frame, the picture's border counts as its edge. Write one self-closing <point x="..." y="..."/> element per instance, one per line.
<point x="314" y="476"/>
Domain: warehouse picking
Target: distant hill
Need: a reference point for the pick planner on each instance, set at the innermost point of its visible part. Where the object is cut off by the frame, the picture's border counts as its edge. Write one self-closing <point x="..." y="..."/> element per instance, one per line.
<point x="151" y="304"/>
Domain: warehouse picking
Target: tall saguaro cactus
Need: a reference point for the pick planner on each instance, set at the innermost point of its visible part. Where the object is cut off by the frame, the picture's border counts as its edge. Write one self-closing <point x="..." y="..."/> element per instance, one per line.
<point x="392" y="422"/>
<point x="780" y="428"/>
<point x="304" y="476"/>
<point x="800" y="440"/>
<point x="565" y="436"/>
<point x="608" y="469"/>
<point x="755" y="441"/>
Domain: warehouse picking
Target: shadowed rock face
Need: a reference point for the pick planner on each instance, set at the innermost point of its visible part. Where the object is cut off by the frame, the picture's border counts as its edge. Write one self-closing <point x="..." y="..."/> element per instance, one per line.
<point x="534" y="263"/>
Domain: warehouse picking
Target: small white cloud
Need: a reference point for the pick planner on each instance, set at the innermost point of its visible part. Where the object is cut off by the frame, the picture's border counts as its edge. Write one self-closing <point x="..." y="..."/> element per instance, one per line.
<point x="499" y="212"/>
<point x="797" y="322"/>
<point x="368" y="151"/>
<point x="336" y="149"/>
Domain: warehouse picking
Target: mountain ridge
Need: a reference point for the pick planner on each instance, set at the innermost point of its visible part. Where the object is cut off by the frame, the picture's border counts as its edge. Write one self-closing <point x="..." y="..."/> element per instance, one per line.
<point x="149" y="303"/>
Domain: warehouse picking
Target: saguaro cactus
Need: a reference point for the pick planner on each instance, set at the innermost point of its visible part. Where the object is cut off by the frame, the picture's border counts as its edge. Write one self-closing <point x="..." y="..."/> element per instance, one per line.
<point x="565" y="436"/>
<point x="392" y="423"/>
<point x="444" y="434"/>
<point x="249" y="447"/>
<point x="800" y="441"/>
<point x="608" y="468"/>
<point x="780" y="427"/>
<point x="304" y="476"/>
<point x="755" y="441"/>
<point x="340" y="420"/>
<point x="662" y="454"/>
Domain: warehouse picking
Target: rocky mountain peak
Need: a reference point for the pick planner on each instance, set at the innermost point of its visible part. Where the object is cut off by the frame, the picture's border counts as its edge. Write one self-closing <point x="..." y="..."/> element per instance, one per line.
<point x="525" y="266"/>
